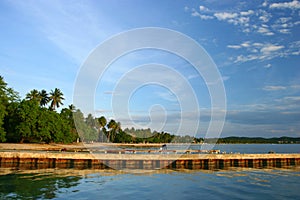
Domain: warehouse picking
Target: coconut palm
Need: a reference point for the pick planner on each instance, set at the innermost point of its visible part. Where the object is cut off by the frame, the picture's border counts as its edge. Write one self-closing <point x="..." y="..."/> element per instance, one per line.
<point x="72" y="108"/>
<point x="33" y="95"/>
<point x="102" y="121"/>
<point x="56" y="98"/>
<point x="101" y="125"/>
<point x="44" y="98"/>
<point x="114" y="129"/>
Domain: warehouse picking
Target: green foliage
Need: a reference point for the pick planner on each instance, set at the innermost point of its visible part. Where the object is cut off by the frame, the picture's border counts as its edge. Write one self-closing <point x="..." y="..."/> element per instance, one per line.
<point x="56" y="98"/>
<point x="255" y="140"/>
<point x="30" y="121"/>
<point x="7" y="96"/>
<point x="85" y="128"/>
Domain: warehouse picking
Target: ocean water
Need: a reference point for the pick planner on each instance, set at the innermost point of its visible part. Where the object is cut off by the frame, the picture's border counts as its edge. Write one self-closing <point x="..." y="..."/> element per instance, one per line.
<point x="228" y="148"/>
<point x="233" y="183"/>
<point x="237" y="183"/>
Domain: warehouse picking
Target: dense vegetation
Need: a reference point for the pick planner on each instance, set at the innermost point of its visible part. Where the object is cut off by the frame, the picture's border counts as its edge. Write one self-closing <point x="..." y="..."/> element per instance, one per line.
<point x="256" y="140"/>
<point x="35" y="119"/>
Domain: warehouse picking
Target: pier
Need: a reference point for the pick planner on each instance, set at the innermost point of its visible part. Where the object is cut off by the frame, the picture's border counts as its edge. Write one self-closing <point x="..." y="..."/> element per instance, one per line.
<point x="162" y="160"/>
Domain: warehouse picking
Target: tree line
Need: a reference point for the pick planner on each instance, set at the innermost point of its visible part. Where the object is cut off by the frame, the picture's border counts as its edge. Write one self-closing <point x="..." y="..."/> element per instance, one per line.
<point x="35" y="119"/>
<point x="256" y="140"/>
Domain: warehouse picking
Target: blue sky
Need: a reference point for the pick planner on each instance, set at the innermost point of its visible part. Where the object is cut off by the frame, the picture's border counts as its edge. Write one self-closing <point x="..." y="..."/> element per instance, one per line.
<point x="254" y="44"/>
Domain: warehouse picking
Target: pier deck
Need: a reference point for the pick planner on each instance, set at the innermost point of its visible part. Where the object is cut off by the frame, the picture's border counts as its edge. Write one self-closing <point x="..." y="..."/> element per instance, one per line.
<point x="44" y="159"/>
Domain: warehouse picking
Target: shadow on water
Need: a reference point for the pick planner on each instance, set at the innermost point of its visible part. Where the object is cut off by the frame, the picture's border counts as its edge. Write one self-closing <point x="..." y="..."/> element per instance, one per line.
<point x="16" y="185"/>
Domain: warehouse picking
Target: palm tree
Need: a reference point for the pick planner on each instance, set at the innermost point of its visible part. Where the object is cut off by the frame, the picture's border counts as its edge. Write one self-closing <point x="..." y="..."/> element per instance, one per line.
<point x="114" y="129"/>
<point x="44" y="98"/>
<point x="72" y="108"/>
<point x="56" y="98"/>
<point x="101" y="125"/>
<point x="102" y="121"/>
<point x="33" y="95"/>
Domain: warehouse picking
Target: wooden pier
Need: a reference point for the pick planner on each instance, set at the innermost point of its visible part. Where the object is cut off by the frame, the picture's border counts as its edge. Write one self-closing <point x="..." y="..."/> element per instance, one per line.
<point x="85" y="160"/>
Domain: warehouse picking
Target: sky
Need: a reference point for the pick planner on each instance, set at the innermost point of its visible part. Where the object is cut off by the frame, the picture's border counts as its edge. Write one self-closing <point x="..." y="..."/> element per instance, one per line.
<point x="254" y="46"/>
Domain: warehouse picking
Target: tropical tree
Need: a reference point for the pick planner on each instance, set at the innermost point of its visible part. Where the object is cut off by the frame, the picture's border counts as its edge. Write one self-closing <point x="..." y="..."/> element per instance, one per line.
<point x="33" y="95"/>
<point x="90" y="121"/>
<point x="44" y="98"/>
<point x="114" y="127"/>
<point x="72" y="108"/>
<point x="7" y="97"/>
<point x="102" y="121"/>
<point x="56" y="98"/>
<point x="68" y="115"/>
<point x="3" y="112"/>
<point x="101" y="127"/>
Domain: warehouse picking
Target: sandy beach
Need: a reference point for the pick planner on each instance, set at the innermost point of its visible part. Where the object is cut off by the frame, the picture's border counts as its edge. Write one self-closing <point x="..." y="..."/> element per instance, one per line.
<point x="54" y="146"/>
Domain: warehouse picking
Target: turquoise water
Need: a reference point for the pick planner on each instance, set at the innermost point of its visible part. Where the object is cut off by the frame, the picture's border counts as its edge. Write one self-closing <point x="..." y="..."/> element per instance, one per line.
<point x="236" y="183"/>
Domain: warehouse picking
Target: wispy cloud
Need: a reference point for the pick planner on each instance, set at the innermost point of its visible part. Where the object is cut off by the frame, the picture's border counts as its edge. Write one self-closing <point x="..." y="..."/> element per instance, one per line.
<point x="234" y="46"/>
<point x="225" y="16"/>
<point x="274" y="88"/>
<point x="202" y="16"/>
<point x="258" y="51"/>
<point x="257" y="21"/>
<point x="75" y="28"/>
<point x="269" y="48"/>
<point x="286" y="5"/>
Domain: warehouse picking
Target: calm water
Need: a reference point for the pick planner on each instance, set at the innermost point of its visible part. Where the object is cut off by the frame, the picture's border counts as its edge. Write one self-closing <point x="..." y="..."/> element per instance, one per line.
<point x="255" y="148"/>
<point x="234" y="148"/>
<point x="162" y="184"/>
<point x="236" y="183"/>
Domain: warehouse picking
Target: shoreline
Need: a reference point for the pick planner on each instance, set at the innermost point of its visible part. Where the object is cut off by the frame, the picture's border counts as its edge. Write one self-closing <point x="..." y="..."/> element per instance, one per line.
<point x="86" y="146"/>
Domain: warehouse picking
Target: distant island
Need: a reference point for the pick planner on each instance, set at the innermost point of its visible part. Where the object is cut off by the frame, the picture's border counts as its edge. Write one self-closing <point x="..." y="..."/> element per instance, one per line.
<point x="255" y="140"/>
<point x="36" y="120"/>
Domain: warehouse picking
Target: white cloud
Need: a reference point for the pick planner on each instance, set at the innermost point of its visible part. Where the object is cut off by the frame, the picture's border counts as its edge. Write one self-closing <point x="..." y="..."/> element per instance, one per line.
<point x="243" y="58"/>
<point x="225" y="15"/>
<point x="290" y="5"/>
<point x="265" y="3"/>
<point x="257" y="44"/>
<point x="195" y="14"/>
<point x="264" y="18"/>
<point x="265" y="31"/>
<point x="261" y="51"/>
<point x="246" y="13"/>
<point x="268" y="66"/>
<point x="284" y="19"/>
<point x="203" y="8"/>
<point x="234" y="46"/>
<point x="269" y="48"/>
<point x="292" y="98"/>
<point x="245" y="44"/>
<point x="274" y="88"/>
<point x="204" y="17"/>
<point x="285" y="31"/>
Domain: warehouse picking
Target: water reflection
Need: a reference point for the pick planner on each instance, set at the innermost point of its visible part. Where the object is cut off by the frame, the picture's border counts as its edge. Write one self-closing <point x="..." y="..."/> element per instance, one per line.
<point x="148" y="184"/>
<point x="18" y="185"/>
